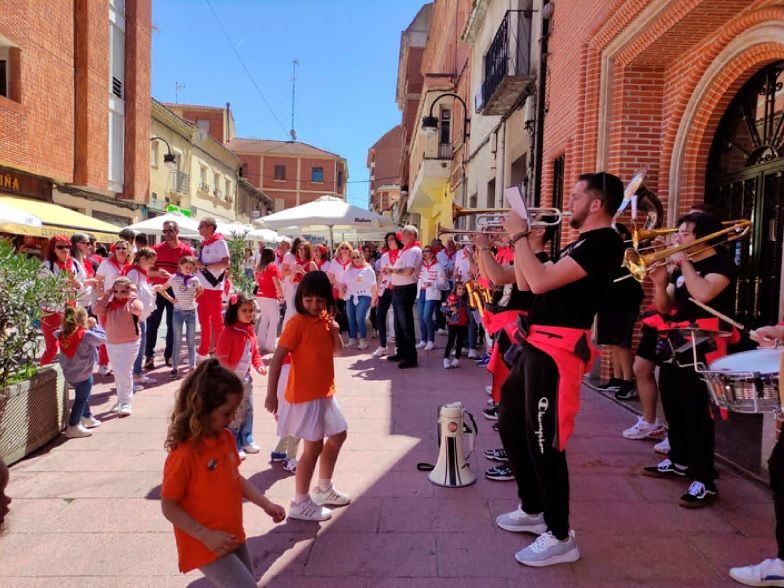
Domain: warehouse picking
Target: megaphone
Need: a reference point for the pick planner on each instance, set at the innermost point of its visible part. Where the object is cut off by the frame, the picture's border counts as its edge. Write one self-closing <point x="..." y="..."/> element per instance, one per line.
<point x="452" y="469"/>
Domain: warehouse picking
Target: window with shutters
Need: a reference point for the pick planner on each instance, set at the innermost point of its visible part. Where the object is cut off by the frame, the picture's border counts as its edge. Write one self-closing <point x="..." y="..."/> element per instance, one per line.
<point x="116" y="95"/>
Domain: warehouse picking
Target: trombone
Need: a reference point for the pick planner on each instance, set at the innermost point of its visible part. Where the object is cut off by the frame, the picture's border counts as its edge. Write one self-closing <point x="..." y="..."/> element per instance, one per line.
<point x="642" y="235"/>
<point x="639" y="264"/>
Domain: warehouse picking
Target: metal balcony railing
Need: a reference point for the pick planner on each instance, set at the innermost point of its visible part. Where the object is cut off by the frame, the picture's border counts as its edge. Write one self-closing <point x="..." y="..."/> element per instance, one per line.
<point x="180" y="182"/>
<point x="445" y="151"/>
<point x="507" y="63"/>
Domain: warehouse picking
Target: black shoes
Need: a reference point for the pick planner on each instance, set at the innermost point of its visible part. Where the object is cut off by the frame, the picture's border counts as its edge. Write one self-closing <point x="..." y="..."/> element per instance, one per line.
<point x="699" y="495"/>
<point x="491" y="413"/>
<point x="666" y="469"/>
<point x="407" y="363"/>
<point x="394" y="357"/>
<point x="149" y="363"/>
<point x="627" y="390"/>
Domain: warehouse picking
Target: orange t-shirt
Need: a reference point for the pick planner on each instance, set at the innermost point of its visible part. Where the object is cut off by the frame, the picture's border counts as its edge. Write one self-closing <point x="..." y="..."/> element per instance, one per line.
<point x="206" y="483"/>
<point x="312" y="374"/>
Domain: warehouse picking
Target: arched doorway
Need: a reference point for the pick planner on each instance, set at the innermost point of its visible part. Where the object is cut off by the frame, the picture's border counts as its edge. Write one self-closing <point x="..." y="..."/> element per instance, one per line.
<point x="745" y="179"/>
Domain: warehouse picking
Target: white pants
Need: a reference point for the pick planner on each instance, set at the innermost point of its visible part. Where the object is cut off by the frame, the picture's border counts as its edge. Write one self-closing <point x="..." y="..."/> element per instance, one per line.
<point x="267" y="326"/>
<point x="290" y="307"/>
<point x="121" y="357"/>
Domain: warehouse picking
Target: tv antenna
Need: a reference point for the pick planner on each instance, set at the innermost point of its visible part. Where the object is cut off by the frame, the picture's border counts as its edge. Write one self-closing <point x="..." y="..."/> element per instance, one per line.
<point x="294" y="65"/>
<point x="177" y="87"/>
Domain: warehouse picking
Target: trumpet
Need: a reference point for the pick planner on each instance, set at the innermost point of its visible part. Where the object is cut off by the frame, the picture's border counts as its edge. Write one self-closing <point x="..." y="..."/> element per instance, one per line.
<point x="535" y="215"/>
<point x="639" y="264"/>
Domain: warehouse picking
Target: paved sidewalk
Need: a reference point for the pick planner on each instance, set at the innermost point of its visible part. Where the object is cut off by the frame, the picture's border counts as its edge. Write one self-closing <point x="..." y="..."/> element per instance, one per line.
<point x="86" y="513"/>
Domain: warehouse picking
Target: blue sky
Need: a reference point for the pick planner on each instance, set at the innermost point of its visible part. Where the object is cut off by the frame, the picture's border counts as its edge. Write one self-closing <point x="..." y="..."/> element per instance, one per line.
<point x="347" y="51"/>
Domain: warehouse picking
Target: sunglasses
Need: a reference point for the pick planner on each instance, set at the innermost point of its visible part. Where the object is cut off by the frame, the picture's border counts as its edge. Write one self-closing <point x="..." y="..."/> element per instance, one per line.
<point x="121" y="291"/>
<point x="121" y="249"/>
<point x="61" y="247"/>
<point x="169" y="230"/>
<point x="356" y="257"/>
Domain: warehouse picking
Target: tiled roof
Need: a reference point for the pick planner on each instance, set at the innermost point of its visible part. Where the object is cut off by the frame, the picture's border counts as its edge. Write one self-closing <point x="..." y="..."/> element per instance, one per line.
<point x="279" y="147"/>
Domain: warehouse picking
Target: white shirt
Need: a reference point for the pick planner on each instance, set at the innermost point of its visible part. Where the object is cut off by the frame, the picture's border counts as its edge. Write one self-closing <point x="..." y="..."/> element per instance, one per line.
<point x="184" y="295"/>
<point x="50" y="268"/>
<point x="337" y="269"/>
<point x="213" y="253"/>
<point x="462" y="264"/>
<point x="383" y="279"/>
<point x="434" y="275"/>
<point x="359" y="281"/>
<point x="447" y="262"/>
<point x="408" y="258"/>
<point x="109" y="272"/>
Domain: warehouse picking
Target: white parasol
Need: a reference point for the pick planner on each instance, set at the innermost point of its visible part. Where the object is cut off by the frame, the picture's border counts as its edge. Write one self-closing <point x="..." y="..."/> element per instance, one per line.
<point x="17" y="221"/>
<point x="266" y="235"/>
<point x="154" y="226"/>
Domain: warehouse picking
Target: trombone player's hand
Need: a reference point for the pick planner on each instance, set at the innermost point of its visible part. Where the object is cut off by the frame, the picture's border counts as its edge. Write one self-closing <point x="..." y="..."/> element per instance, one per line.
<point x="514" y="223"/>
<point x="480" y="241"/>
<point x="659" y="276"/>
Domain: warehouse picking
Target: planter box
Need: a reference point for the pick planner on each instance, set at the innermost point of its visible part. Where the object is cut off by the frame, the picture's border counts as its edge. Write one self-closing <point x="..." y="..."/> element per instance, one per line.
<point x="32" y="413"/>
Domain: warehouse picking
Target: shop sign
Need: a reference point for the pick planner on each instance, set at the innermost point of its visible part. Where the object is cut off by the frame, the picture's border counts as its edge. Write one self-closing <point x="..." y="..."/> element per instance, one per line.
<point x="21" y="184"/>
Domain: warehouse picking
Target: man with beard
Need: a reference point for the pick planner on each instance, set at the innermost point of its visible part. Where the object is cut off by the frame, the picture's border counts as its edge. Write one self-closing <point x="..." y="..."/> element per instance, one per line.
<point x="541" y="393"/>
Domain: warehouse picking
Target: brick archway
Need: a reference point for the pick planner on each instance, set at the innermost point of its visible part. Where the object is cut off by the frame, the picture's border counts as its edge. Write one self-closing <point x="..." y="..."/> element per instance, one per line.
<point x="736" y="63"/>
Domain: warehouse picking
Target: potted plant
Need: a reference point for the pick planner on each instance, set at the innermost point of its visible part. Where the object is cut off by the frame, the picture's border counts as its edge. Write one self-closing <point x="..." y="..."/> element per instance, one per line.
<point x="33" y="400"/>
<point x="240" y="281"/>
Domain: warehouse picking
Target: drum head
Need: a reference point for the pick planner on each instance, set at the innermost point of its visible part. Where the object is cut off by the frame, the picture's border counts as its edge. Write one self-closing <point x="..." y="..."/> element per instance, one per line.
<point x="764" y="361"/>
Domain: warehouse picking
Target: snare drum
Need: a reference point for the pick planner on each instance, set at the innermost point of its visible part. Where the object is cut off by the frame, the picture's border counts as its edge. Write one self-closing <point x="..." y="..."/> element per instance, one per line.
<point x="746" y="382"/>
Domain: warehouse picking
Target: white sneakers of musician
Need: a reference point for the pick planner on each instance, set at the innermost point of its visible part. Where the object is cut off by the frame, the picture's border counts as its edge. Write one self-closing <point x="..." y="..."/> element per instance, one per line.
<point x="421" y="345"/>
<point x="642" y="429"/>
<point x="769" y="572"/>
<point x="518" y="521"/>
<point x="548" y="551"/>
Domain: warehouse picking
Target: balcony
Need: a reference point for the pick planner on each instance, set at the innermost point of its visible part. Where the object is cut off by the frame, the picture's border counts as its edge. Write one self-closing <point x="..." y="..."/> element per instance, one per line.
<point x="507" y="65"/>
<point x="179" y="182"/>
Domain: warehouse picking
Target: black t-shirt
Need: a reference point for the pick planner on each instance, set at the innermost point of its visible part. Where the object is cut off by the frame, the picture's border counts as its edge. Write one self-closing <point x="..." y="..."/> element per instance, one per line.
<point x="720" y="263"/>
<point x="624" y="295"/>
<point x="511" y="298"/>
<point x="599" y="253"/>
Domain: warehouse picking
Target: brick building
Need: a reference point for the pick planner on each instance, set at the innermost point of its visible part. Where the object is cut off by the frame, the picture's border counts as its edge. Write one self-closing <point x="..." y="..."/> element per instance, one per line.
<point x="290" y="173"/>
<point x="383" y="163"/>
<point x="75" y="104"/>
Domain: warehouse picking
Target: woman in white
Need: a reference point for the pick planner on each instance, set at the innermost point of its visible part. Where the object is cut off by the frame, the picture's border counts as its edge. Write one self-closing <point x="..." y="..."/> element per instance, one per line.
<point x="384" y="309"/>
<point x="360" y="291"/>
<point x="287" y="268"/>
<point x="113" y="267"/>
<point x="337" y="268"/>
<point x="431" y="279"/>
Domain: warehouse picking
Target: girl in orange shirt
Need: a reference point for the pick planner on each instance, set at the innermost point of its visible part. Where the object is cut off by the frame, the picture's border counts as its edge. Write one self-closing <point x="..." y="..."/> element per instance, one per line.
<point x="202" y="489"/>
<point x="311" y="412"/>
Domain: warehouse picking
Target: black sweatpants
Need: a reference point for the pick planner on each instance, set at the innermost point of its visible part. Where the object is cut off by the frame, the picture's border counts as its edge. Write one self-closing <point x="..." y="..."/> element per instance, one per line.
<point x="776" y="472"/>
<point x="457" y="337"/>
<point x="403" y="300"/>
<point x="686" y="404"/>
<point x="154" y="321"/>
<point x="527" y="421"/>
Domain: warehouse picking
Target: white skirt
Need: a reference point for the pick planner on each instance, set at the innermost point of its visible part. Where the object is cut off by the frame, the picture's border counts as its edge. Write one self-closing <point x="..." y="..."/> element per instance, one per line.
<point x="312" y="420"/>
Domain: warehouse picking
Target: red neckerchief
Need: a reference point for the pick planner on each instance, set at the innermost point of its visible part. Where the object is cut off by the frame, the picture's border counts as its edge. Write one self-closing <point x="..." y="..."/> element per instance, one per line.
<point x="354" y="265"/>
<point x="449" y="256"/>
<point x="138" y="269"/>
<point x="215" y="237"/>
<point x="70" y="343"/>
<point x="121" y="270"/>
<point x="68" y="266"/>
<point x="117" y="303"/>
<point x="302" y="262"/>
<point x="410" y="245"/>
<point x="429" y="265"/>
<point x="343" y="265"/>
<point x="393" y="253"/>
<point x="279" y="255"/>
<point x="247" y="328"/>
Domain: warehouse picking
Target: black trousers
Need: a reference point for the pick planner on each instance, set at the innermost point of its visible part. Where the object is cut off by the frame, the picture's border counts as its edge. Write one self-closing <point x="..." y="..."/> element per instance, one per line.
<point x="527" y="421"/>
<point x="686" y="404"/>
<point x="403" y="299"/>
<point x="440" y="317"/>
<point x="776" y="471"/>
<point x="382" y="308"/>
<point x="340" y="316"/>
<point x="154" y="321"/>
<point x="456" y="339"/>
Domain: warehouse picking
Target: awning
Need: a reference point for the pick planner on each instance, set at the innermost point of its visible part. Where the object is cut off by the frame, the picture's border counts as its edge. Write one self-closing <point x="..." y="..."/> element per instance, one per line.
<point x="57" y="219"/>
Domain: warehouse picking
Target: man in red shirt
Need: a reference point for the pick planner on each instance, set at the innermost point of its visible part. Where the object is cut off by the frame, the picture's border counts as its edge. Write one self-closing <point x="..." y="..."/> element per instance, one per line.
<point x="168" y="257"/>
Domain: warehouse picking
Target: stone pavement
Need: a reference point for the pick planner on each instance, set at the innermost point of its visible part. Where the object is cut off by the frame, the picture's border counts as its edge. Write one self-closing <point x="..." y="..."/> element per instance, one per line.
<point x="85" y="512"/>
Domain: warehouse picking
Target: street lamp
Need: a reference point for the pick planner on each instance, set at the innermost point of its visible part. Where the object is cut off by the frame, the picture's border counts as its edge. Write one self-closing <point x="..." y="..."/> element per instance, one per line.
<point x="430" y="122"/>
<point x="168" y="158"/>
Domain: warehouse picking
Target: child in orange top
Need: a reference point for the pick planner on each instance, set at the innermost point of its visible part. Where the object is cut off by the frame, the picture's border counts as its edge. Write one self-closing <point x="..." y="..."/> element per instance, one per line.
<point x="202" y="487"/>
<point x="311" y="412"/>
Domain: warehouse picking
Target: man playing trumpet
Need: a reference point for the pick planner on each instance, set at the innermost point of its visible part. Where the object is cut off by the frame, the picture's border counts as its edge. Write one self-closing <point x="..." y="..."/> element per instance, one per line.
<point x="541" y="393"/>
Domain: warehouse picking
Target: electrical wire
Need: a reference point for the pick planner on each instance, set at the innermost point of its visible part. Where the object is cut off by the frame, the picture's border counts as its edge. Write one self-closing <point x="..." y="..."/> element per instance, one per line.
<point x="245" y="67"/>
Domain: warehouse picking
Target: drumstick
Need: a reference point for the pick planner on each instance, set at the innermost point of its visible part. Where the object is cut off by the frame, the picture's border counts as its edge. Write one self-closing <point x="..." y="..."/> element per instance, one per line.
<point x="717" y="314"/>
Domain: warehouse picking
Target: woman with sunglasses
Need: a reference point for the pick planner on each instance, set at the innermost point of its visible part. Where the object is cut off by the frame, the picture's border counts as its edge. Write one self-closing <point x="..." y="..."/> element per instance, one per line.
<point x="388" y="258"/>
<point x="321" y="257"/>
<point x="431" y="279"/>
<point x="116" y="265"/>
<point x="360" y="291"/>
<point x="337" y="268"/>
<point x="302" y="264"/>
<point x="59" y="260"/>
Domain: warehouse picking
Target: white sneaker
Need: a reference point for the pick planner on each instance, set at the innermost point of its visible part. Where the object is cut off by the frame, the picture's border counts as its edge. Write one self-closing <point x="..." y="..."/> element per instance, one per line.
<point x="645" y="430"/>
<point x="76" y="431"/>
<point x="115" y="408"/>
<point x="90" y="422"/>
<point x="381" y="351"/>
<point x="144" y="379"/>
<point x="769" y="572"/>
<point x="104" y="370"/>
<point x="430" y="346"/>
<point x="290" y="465"/>
<point x="243" y="455"/>
<point x="252" y="448"/>
<point x="421" y="345"/>
<point x="663" y="447"/>
<point x="548" y="551"/>
<point x="330" y="497"/>
<point x="125" y="410"/>
<point x="455" y="363"/>
<point x="307" y="510"/>
<point x="489" y="390"/>
<point x="472" y="354"/>
<point x="442" y="332"/>
<point x="362" y="345"/>
<point x="351" y="343"/>
<point x="518" y="521"/>
<point x="138" y="387"/>
<point x="447" y="363"/>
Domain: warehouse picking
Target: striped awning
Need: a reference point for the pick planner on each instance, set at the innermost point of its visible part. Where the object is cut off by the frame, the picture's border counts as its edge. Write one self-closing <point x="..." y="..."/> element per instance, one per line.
<point x="57" y="219"/>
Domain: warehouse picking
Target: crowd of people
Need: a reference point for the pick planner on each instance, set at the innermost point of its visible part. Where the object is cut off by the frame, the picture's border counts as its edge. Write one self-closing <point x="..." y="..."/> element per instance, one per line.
<point x="536" y="328"/>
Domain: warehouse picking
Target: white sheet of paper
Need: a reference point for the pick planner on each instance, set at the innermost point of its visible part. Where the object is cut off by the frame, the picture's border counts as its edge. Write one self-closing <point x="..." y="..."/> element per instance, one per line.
<point x="516" y="201"/>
